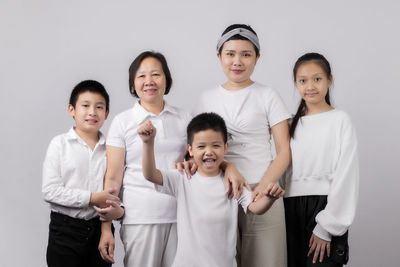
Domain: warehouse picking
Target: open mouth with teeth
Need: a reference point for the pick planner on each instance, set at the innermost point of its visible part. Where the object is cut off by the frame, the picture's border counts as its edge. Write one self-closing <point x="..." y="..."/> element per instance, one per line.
<point x="150" y="91"/>
<point x="209" y="163"/>
<point x="91" y="121"/>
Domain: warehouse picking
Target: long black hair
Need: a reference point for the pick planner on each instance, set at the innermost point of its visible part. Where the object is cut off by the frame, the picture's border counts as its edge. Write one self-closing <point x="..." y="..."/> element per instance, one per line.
<point x="324" y="64"/>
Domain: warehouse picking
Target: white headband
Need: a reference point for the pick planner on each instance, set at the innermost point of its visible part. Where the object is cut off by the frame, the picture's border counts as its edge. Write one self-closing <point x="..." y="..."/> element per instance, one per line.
<point x="241" y="31"/>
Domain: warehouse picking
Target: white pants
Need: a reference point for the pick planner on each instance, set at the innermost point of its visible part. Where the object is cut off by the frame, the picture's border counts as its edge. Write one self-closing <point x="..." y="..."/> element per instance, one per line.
<point x="149" y="245"/>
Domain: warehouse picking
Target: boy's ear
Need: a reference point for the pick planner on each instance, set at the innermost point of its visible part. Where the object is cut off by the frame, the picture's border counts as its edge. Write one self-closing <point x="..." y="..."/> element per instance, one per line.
<point x="226" y="148"/>
<point x="189" y="148"/>
<point x="71" y="110"/>
<point x="107" y="112"/>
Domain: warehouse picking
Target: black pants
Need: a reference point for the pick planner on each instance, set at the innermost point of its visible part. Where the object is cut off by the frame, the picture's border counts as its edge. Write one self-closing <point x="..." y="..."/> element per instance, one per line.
<point x="74" y="242"/>
<point x="300" y="215"/>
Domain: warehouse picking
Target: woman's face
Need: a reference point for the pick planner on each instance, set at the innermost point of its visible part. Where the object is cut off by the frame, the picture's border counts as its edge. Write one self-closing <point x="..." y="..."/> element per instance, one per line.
<point x="238" y="59"/>
<point x="150" y="81"/>
<point x="312" y="83"/>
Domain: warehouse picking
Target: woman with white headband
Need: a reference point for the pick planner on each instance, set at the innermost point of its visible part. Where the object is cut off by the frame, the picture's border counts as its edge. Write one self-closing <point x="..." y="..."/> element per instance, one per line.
<point x="252" y="113"/>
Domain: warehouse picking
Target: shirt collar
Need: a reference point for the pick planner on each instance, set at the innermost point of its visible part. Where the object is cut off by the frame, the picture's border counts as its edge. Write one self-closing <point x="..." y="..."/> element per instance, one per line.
<point x="72" y="135"/>
<point x="140" y="114"/>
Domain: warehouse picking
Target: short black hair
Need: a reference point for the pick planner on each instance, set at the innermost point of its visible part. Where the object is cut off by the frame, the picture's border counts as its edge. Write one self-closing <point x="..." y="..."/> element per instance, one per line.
<point x="206" y="121"/>
<point x="238" y="36"/>
<point x="136" y="64"/>
<point x="89" y="86"/>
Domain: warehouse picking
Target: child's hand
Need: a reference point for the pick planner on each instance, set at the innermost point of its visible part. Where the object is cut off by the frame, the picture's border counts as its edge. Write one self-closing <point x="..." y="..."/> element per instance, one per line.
<point x="147" y="131"/>
<point x="274" y="191"/>
<point x="112" y="212"/>
<point x="319" y="247"/>
<point x="106" y="246"/>
<point x="99" y="199"/>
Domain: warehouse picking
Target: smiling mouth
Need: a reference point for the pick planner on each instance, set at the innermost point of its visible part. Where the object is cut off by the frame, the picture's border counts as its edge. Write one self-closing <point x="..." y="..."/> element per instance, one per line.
<point x="150" y="91"/>
<point x="209" y="163"/>
<point x="237" y="71"/>
<point x="91" y="121"/>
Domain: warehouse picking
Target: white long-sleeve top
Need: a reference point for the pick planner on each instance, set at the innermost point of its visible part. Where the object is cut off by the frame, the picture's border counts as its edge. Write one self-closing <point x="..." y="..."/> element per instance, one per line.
<point x="71" y="171"/>
<point x="325" y="162"/>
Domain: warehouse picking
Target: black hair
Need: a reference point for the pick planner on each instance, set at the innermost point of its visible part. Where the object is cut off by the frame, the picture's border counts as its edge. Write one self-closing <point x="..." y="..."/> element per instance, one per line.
<point x="239" y="37"/>
<point x="206" y="121"/>
<point x="324" y="64"/>
<point x="89" y="86"/>
<point x="136" y="64"/>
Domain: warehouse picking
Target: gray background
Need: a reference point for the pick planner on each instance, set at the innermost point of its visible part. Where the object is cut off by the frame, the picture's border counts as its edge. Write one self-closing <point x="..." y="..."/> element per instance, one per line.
<point x="46" y="47"/>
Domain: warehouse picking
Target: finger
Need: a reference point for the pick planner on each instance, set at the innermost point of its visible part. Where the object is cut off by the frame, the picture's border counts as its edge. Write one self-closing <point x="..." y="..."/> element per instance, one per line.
<point x="253" y="196"/>
<point x="111" y="252"/>
<point x="268" y="189"/>
<point x="239" y="191"/>
<point x="226" y="184"/>
<point x="179" y="167"/>
<point x="322" y="253"/>
<point x="97" y="209"/>
<point x="193" y="169"/>
<point x="281" y="192"/>
<point x="114" y="204"/>
<point x="316" y="252"/>
<point x="328" y="249"/>
<point x="312" y="248"/>
<point x="187" y="169"/>
<point x="104" y="254"/>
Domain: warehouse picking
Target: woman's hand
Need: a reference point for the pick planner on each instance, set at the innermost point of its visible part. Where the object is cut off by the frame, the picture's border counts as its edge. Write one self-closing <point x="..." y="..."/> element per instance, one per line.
<point x="319" y="247"/>
<point x="113" y="212"/>
<point x="234" y="181"/>
<point x="188" y="166"/>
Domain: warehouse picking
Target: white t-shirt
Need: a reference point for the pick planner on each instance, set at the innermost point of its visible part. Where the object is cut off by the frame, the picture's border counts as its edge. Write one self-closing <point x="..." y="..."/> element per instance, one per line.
<point x="144" y="205"/>
<point x="207" y="219"/>
<point x="71" y="171"/>
<point x="249" y="114"/>
<point x="325" y="162"/>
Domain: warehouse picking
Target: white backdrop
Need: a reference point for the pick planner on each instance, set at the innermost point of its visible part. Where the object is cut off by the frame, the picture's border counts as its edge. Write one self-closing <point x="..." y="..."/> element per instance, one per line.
<point x="46" y="47"/>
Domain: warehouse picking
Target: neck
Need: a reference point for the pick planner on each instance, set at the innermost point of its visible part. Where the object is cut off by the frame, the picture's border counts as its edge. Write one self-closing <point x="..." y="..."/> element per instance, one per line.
<point x="317" y="108"/>
<point x="155" y="108"/>
<point x="208" y="174"/>
<point x="90" y="138"/>
<point x="233" y="86"/>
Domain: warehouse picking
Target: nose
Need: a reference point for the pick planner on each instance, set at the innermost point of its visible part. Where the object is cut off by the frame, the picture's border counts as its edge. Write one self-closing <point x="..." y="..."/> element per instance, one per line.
<point x="149" y="80"/>
<point x="92" y="110"/>
<point x="237" y="61"/>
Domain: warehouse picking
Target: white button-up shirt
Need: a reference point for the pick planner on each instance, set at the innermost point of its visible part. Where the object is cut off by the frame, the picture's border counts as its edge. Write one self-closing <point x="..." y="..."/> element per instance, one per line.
<point x="71" y="171"/>
<point x="143" y="204"/>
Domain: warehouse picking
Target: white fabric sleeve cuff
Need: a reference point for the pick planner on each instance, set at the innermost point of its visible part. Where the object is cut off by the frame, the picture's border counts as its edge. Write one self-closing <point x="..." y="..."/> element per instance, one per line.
<point x="86" y="198"/>
<point x="322" y="233"/>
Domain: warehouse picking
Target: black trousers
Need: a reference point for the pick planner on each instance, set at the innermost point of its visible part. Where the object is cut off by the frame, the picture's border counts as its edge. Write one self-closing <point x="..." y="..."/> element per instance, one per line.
<point x="300" y="215"/>
<point x="74" y="242"/>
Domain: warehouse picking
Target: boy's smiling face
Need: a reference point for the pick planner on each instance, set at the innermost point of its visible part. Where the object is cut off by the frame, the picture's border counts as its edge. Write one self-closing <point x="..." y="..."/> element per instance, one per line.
<point x="89" y="112"/>
<point x="208" y="150"/>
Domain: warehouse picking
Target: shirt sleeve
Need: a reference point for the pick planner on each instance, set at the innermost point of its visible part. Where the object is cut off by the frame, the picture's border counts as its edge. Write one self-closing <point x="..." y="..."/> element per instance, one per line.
<point x="115" y="135"/>
<point x="171" y="180"/>
<point x="340" y="210"/>
<point x="53" y="187"/>
<point x="245" y="199"/>
<point x="275" y="108"/>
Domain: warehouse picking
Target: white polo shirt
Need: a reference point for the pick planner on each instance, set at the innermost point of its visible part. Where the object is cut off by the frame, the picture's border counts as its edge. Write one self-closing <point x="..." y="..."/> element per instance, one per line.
<point x="207" y="219"/>
<point x="71" y="171"/>
<point x="144" y="205"/>
<point x="249" y="114"/>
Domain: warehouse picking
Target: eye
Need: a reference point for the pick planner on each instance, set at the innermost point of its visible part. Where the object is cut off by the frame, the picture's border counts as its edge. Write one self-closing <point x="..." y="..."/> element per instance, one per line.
<point x="140" y="76"/>
<point x="230" y="54"/>
<point x="317" y="79"/>
<point x="302" y="81"/>
<point x="200" y="147"/>
<point x="100" y="107"/>
<point x="85" y="105"/>
<point x="247" y="55"/>
<point x="216" y="146"/>
<point x="156" y="74"/>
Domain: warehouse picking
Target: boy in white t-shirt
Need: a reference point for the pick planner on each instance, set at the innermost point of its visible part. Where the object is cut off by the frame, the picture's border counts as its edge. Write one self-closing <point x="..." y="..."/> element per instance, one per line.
<point x="206" y="218"/>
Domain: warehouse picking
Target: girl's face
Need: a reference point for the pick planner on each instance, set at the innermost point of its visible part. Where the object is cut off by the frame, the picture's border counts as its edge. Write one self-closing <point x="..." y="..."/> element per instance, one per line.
<point x="312" y="83"/>
<point x="238" y="59"/>
<point x="150" y="82"/>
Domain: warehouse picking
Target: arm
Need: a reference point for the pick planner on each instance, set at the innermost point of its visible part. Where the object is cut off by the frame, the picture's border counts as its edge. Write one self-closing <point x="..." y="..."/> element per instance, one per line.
<point x="264" y="203"/>
<point x="280" y="132"/>
<point x="148" y="132"/>
<point x="54" y="189"/>
<point x="112" y="179"/>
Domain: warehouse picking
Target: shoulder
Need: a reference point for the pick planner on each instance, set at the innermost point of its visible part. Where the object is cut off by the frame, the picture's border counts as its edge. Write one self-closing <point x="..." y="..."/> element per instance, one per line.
<point x="340" y="116"/>
<point x="180" y="113"/>
<point x="264" y="90"/>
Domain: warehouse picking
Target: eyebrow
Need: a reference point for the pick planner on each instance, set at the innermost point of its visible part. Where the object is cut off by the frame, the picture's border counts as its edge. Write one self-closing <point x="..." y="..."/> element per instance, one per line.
<point x="154" y="70"/>
<point x="318" y="73"/>
<point x="231" y="50"/>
